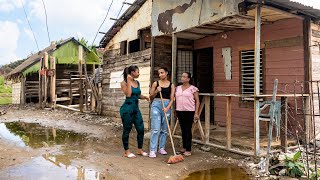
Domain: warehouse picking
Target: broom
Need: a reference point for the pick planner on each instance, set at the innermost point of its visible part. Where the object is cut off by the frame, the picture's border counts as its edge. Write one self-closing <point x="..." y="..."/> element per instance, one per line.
<point x="175" y="158"/>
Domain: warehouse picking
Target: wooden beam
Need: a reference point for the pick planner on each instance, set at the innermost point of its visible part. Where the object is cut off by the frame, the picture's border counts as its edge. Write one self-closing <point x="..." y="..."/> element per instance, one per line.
<point x="228" y="122"/>
<point x="284" y="124"/>
<point x="257" y="79"/>
<point x="93" y="99"/>
<point x="53" y="79"/>
<point x="46" y="65"/>
<point x="23" y="91"/>
<point x="66" y="107"/>
<point x="80" y="74"/>
<point x="173" y="71"/>
<point x="40" y="84"/>
<point x="207" y="118"/>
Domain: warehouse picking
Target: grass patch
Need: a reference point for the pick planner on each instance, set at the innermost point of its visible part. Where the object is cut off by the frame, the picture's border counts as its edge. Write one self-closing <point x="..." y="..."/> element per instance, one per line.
<point x="5" y="92"/>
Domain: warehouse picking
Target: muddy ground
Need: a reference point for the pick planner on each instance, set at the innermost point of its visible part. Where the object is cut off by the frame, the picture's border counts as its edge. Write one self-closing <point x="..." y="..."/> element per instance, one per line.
<point x="84" y="146"/>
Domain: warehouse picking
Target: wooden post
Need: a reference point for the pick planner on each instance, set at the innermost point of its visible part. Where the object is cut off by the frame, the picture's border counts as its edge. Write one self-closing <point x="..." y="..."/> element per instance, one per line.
<point x="207" y="118"/>
<point x="80" y="75"/>
<point x="93" y="99"/>
<point x="53" y="80"/>
<point x="284" y="124"/>
<point x="40" y="84"/>
<point x="23" y="91"/>
<point x="46" y="65"/>
<point x="228" y="122"/>
<point x="257" y="79"/>
<point x="173" y="71"/>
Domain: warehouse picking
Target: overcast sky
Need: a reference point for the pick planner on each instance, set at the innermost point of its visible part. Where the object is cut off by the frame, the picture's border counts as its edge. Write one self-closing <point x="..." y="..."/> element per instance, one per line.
<point x="66" y="18"/>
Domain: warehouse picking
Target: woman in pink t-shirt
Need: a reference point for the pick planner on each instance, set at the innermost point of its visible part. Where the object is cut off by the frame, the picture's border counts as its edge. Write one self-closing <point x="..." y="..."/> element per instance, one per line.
<point x="187" y="109"/>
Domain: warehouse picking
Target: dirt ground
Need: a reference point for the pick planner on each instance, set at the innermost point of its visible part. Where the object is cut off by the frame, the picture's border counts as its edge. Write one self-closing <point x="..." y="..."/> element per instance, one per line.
<point x="97" y="154"/>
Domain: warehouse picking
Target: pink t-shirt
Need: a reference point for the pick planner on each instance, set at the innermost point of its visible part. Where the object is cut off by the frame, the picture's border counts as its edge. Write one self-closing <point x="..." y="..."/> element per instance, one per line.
<point x="184" y="99"/>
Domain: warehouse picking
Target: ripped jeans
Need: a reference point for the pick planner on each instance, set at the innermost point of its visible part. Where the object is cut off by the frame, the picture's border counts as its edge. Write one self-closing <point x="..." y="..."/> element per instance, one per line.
<point x="159" y="128"/>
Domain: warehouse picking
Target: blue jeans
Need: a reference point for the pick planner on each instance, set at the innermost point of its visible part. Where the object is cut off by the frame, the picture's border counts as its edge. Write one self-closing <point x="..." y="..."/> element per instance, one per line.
<point x="159" y="128"/>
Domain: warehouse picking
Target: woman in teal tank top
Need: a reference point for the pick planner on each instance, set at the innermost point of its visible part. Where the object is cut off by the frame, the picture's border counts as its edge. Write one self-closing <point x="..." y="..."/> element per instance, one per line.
<point x="130" y="112"/>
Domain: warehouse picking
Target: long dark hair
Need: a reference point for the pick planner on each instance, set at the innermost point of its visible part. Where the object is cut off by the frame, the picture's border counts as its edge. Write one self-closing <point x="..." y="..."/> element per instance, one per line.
<point x="190" y="77"/>
<point x="128" y="70"/>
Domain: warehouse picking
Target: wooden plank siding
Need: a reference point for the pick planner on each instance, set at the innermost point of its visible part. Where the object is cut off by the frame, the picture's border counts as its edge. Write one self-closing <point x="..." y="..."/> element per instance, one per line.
<point x="281" y="60"/>
<point x="113" y="97"/>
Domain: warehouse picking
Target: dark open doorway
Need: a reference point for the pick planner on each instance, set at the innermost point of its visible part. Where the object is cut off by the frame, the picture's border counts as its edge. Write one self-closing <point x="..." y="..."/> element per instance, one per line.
<point x="203" y="75"/>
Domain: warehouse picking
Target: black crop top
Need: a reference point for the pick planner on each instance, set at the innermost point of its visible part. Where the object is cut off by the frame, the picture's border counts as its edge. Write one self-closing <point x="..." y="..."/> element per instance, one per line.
<point x="166" y="92"/>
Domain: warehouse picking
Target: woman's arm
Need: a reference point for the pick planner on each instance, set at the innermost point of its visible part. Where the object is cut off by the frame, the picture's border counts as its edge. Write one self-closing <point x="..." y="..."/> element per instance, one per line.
<point x="153" y="91"/>
<point x="126" y="88"/>
<point x="173" y="90"/>
<point x="197" y="101"/>
<point x="144" y="97"/>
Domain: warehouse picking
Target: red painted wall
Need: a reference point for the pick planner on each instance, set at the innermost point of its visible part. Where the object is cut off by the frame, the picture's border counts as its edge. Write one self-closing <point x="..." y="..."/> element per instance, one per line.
<point x="284" y="63"/>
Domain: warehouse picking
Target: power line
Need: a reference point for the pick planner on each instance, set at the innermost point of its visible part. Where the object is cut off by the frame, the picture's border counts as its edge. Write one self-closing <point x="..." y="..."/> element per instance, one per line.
<point x="25" y="13"/>
<point x="102" y="23"/>
<point x="120" y="9"/>
<point x="45" y="11"/>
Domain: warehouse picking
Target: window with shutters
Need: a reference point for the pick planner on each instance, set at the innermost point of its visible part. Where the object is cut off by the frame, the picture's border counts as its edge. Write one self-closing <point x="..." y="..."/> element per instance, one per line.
<point x="184" y="63"/>
<point x="247" y="72"/>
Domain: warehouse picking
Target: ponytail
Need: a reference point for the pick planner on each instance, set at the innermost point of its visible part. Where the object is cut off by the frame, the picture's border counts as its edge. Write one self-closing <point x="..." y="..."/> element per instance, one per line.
<point x="125" y="74"/>
<point x="128" y="71"/>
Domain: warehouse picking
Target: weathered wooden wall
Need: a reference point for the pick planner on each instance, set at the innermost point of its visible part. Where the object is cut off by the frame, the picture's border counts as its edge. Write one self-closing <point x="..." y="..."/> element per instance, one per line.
<point x="113" y="97"/>
<point x="315" y="59"/>
<point x="283" y="59"/>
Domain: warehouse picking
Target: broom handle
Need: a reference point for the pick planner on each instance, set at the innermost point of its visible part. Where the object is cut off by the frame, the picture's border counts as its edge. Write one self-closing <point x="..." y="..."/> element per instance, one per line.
<point x="165" y="115"/>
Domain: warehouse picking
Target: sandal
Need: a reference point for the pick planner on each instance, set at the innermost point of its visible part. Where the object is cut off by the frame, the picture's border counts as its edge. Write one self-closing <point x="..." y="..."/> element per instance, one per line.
<point x="131" y="155"/>
<point x="187" y="153"/>
<point x="144" y="154"/>
<point x="181" y="151"/>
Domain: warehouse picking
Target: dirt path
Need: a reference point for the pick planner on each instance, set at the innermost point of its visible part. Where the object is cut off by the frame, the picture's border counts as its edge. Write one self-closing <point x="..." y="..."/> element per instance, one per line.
<point x="87" y="146"/>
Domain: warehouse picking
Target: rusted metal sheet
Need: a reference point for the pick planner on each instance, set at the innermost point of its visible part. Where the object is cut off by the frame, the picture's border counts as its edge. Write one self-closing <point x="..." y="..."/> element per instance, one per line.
<point x="174" y="16"/>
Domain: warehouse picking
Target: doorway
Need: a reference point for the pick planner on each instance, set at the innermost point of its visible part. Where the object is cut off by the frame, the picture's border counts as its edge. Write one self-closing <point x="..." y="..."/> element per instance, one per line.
<point x="203" y="75"/>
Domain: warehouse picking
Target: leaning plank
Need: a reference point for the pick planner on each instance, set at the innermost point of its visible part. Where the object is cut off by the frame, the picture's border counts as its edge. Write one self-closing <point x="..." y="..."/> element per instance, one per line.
<point x="66" y="107"/>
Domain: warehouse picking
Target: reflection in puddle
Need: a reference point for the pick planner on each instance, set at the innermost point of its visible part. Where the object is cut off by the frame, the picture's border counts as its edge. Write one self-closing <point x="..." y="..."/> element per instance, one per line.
<point x="36" y="136"/>
<point x="47" y="166"/>
<point x="219" y="174"/>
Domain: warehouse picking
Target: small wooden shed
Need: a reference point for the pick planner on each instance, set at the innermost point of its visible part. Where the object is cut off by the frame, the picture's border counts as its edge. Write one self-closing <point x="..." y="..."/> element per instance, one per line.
<point x="56" y="74"/>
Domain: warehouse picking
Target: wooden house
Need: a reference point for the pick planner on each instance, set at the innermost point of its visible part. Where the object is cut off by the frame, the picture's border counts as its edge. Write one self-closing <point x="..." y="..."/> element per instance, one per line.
<point x="55" y="74"/>
<point x="234" y="49"/>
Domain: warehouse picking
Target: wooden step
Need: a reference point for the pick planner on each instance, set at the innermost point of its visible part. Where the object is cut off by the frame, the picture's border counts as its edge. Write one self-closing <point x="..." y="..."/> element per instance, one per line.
<point x="63" y="99"/>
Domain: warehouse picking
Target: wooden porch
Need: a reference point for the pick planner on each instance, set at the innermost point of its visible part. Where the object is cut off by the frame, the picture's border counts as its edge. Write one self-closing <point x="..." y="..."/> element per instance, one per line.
<point x="235" y="139"/>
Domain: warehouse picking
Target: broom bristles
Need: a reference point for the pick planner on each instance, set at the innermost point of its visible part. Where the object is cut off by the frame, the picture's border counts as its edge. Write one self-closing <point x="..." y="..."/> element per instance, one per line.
<point x="175" y="159"/>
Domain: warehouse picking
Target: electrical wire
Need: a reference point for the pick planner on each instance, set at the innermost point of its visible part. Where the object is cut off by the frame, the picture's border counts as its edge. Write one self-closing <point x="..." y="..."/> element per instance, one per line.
<point x="45" y="11"/>
<point x="102" y="23"/>
<point x="25" y="13"/>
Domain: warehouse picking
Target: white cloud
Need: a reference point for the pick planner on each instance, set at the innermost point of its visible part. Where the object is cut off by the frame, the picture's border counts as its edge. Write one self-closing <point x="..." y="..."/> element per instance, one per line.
<point x="9" y="35"/>
<point x="28" y="33"/>
<point x="10" y="5"/>
<point x="74" y="16"/>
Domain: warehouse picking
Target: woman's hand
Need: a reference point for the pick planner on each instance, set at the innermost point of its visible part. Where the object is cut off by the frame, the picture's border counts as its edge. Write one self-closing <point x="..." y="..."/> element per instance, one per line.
<point x="147" y="98"/>
<point x="166" y="109"/>
<point x="129" y="77"/>
<point x="196" y="118"/>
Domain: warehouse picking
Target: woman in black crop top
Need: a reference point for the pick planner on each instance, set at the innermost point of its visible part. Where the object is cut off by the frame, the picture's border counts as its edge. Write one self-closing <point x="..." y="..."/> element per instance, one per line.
<point x="159" y="127"/>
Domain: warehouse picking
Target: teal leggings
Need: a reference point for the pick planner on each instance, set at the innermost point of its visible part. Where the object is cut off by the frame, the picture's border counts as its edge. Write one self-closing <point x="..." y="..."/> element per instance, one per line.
<point x="130" y="114"/>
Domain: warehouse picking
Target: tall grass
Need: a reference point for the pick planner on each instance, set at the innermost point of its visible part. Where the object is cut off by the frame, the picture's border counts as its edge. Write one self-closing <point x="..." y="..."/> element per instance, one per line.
<point x="5" y="92"/>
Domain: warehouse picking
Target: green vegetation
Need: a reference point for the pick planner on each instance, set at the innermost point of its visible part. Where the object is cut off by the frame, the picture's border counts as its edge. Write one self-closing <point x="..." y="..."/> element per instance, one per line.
<point x="5" y="92"/>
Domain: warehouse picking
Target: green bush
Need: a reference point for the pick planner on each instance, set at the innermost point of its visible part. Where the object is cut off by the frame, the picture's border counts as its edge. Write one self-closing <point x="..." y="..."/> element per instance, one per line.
<point x="294" y="166"/>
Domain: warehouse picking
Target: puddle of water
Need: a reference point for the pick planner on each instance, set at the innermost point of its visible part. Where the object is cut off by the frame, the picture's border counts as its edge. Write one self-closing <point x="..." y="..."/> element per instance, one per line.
<point x="219" y="174"/>
<point x="48" y="166"/>
<point x="36" y="136"/>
